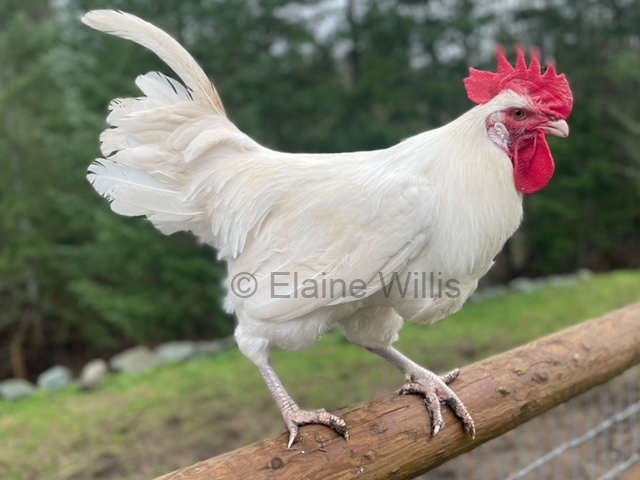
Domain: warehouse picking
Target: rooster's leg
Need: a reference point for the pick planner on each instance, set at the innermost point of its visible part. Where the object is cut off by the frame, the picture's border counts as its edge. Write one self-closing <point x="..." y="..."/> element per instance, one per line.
<point x="292" y="414"/>
<point x="432" y="387"/>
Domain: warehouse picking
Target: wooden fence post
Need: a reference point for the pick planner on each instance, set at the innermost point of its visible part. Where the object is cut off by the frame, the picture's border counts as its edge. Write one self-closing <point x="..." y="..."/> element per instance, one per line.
<point x="390" y="436"/>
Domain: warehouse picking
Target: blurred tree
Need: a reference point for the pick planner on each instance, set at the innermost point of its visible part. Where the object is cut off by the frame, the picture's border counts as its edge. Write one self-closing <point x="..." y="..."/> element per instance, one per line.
<point x="625" y="74"/>
<point x="588" y="216"/>
<point x="298" y="76"/>
<point x="67" y="277"/>
<point x="29" y="104"/>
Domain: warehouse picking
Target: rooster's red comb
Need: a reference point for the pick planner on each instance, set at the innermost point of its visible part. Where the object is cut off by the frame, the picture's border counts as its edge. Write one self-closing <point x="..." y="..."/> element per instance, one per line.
<point x="547" y="89"/>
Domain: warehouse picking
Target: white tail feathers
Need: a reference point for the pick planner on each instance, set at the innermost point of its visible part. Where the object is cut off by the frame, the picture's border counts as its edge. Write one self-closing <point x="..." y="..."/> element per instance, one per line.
<point x="171" y="154"/>
<point x="163" y="45"/>
<point x="133" y="192"/>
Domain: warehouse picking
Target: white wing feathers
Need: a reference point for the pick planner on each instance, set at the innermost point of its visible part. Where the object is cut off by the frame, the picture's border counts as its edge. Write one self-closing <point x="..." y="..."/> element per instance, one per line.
<point x="374" y="233"/>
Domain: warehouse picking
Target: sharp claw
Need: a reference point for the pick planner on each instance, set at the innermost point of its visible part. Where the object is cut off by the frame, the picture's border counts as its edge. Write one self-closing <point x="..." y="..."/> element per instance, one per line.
<point x="437" y="421"/>
<point x="293" y="435"/>
<point x="339" y="426"/>
<point x="449" y="377"/>
<point x="470" y="428"/>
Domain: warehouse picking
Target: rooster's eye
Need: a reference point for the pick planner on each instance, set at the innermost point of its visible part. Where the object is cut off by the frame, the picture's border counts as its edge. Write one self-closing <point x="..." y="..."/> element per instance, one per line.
<point x="519" y="114"/>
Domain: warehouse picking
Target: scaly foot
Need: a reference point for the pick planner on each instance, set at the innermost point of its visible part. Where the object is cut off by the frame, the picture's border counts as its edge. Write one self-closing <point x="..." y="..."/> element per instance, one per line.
<point x="295" y="417"/>
<point x="292" y="414"/>
<point x="435" y="391"/>
<point x="433" y="388"/>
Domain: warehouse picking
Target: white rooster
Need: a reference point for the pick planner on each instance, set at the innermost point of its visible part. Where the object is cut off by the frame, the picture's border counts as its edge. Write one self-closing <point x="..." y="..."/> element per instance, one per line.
<point x="318" y="240"/>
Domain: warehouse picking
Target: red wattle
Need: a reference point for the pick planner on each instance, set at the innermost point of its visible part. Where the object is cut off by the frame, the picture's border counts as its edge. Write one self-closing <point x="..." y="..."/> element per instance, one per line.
<point x="533" y="164"/>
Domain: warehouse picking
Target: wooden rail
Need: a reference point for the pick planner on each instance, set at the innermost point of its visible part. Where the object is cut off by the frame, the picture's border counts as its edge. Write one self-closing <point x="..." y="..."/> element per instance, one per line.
<point x="390" y="436"/>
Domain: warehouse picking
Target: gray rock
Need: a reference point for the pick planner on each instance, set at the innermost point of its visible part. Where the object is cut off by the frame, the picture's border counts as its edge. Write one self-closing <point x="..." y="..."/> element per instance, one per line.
<point x="563" y="280"/>
<point x="55" y="378"/>
<point x="584" y="274"/>
<point x="16" y="388"/>
<point x="174" y="352"/>
<point x="494" y="291"/>
<point x="93" y="374"/>
<point x="136" y="359"/>
<point x="475" y="298"/>
<point x="213" y="347"/>
<point x="525" y="285"/>
<point x="209" y="347"/>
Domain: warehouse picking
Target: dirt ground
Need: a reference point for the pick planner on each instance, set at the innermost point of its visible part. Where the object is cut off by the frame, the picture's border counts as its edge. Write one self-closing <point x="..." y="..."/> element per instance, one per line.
<point x="581" y="439"/>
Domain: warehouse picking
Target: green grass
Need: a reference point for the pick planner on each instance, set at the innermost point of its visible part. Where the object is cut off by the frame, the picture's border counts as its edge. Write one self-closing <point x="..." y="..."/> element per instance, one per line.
<point x="141" y="426"/>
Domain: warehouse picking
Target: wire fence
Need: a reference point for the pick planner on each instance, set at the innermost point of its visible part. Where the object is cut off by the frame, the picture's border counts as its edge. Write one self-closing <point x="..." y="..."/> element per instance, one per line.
<point x="595" y="436"/>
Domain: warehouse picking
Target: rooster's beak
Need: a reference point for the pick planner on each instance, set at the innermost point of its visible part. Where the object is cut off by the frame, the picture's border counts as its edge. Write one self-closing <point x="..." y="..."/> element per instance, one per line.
<point x="559" y="128"/>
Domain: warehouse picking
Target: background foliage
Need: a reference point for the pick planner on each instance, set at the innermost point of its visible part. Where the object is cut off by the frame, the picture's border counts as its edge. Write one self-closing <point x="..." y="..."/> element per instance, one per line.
<point x="302" y="75"/>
